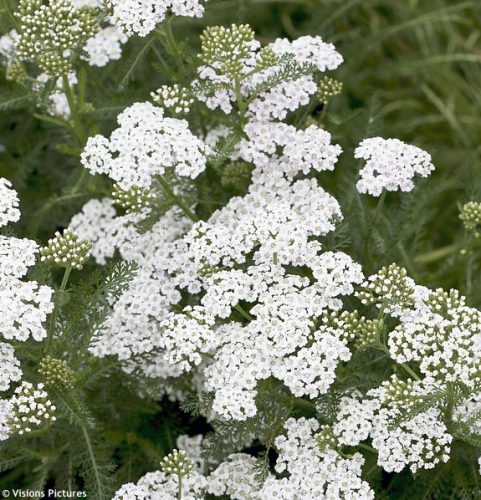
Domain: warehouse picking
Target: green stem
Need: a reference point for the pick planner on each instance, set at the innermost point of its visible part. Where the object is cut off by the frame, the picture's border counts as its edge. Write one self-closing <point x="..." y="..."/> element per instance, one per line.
<point x="93" y="461"/>
<point x="379" y="206"/>
<point x="244" y="313"/>
<point x="301" y="403"/>
<point x="179" y="492"/>
<point x="406" y="368"/>
<point x="176" y="200"/>
<point x="434" y="255"/>
<point x="366" y="447"/>
<point x="169" y="34"/>
<point x="323" y="114"/>
<point x="450" y="405"/>
<point x="72" y="103"/>
<point x="240" y="100"/>
<point x="413" y="374"/>
<point x="53" y="317"/>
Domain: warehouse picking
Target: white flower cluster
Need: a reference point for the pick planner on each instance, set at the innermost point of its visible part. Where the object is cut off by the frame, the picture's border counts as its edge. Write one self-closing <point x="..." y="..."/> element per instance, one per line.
<point x="192" y="445"/>
<point x="9" y="211"/>
<point x="24" y="305"/>
<point x="313" y="474"/>
<point x="5" y="417"/>
<point x="390" y="164"/>
<point x="174" y="98"/>
<point x="105" y="46"/>
<point x="141" y="16"/>
<point x="235" y="478"/>
<point x="8" y="46"/>
<point x="144" y="145"/>
<point x="419" y="439"/>
<point x="30" y="408"/>
<point x="277" y="223"/>
<point x="289" y="95"/>
<point x="10" y="371"/>
<point x="66" y="250"/>
<point x="436" y="329"/>
<point x="160" y="486"/>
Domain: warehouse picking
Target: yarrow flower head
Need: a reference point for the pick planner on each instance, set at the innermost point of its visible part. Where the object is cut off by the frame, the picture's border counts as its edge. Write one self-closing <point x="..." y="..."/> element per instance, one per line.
<point x="104" y="46"/>
<point x="175" y="98"/>
<point x="470" y="214"/>
<point x="328" y="87"/>
<point x="11" y="371"/>
<point x="56" y="373"/>
<point x="390" y="288"/>
<point x="31" y="408"/>
<point x="227" y="49"/>
<point x="177" y="463"/>
<point x="51" y="32"/>
<point x="9" y="211"/>
<point x="141" y="16"/>
<point x="145" y="144"/>
<point x="66" y="250"/>
<point x="132" y="200"/>
<point x="390" y="164"/>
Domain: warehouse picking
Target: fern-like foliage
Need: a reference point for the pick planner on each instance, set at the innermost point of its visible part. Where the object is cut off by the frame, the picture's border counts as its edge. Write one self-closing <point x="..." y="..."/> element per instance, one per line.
<point x="89" y="304"/>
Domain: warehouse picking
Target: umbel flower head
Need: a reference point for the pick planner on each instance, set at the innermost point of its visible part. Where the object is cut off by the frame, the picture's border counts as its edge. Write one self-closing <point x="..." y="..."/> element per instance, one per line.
<point x="390" y="164"/>
<point x="56" y="373"/>
<point x="133" y="199"/>
<point x="9" y="211"/>
<point x="226" y="49"/>
<point x="470" y="214"/>
<point x="66" y="250"/>
<point x="174" y="98"/>
<point x="51" y="32"/>
<point x="30" y="408"/>
<point x="176" y="463"/>
<point x="328" y="87"/>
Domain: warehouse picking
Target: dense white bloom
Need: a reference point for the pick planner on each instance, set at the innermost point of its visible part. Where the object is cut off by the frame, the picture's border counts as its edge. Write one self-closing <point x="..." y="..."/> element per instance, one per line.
<point x="31" y="408"/>
<point x="469" y="410"/>
<point x="97" y="224"/>
<point x="421" y="441"/>
<point x="390" y="164"/>
<point x="192" y="446"/>
<point x="10" y="371"/>
<point x="354" y="419"/>
<point x="9" y="211"/>
<point x="144" y="145"/>
<point x="311" y="371"/>
<point x="313" y="474"/>
<point x="23" y="309"/>
<point x="5" y="418"/>
<point x="24" y="306"/>
<point x="236" y="478"/>
<point x="8" y="45"/>
<point x="302" y="150"/>
<point x="309" y="49"/>
<point x="159" y="486"/>
<point x="277" y="223"/>
<point x="288" y="95"/>
<point x="186" y="336"/>
<point x="105" y="46"/>
<point x="141" y="16"/>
